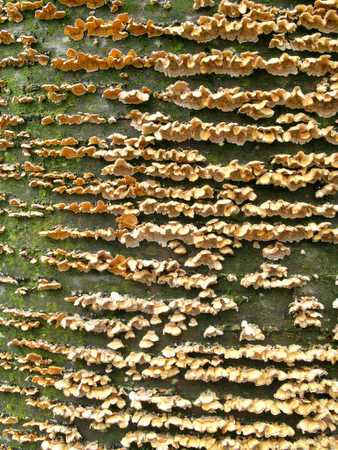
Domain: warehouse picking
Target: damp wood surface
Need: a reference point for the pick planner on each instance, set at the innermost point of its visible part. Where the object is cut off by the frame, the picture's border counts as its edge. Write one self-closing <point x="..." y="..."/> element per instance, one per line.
<point x="175" y="212"/>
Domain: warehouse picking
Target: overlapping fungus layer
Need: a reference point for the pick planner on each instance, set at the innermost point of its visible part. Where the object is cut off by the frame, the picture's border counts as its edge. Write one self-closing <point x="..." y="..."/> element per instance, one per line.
<point x="168" y="271"/>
